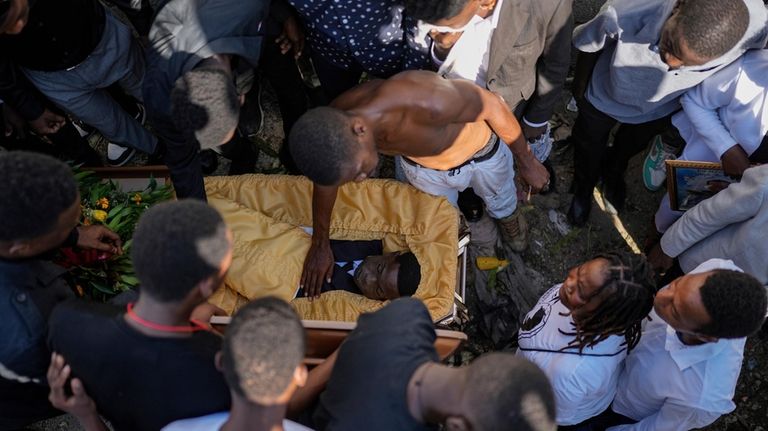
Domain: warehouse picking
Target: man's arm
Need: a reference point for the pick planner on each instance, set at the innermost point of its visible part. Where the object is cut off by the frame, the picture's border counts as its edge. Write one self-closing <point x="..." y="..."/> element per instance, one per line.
<point x="739" y="202"/>
<point x="317" y="379"/>
<point x="552" y="66"/>
<point x="318" y="266"/>
<point x="459" y="101"/>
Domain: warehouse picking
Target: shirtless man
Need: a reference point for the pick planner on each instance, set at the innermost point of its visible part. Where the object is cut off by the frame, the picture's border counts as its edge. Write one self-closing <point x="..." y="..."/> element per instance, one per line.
<point x="451" y="134"/>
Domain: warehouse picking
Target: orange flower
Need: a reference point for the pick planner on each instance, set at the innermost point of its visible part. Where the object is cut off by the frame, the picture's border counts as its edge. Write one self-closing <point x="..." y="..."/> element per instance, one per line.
<point x="103" y="203"/>
<point x="137" y="198"/>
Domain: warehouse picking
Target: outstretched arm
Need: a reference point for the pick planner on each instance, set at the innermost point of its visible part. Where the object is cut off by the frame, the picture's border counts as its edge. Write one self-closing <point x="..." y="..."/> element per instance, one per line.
<point x="318" y="265"/>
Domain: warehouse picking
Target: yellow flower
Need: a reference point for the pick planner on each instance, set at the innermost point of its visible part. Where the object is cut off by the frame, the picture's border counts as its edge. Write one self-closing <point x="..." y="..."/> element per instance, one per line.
<point x="103" y="203"/>
<point x="137" y="198"/>
<point x="100" y="215"/>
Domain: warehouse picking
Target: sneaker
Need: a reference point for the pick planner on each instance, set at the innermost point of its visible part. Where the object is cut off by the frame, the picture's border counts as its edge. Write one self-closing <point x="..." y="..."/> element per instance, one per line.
<point x="654" y="168"/>
<point x="514" y="230"/>
<point x="542" y="146"/>
<point x="118" y="155"/>
<point x="83" y="129"/>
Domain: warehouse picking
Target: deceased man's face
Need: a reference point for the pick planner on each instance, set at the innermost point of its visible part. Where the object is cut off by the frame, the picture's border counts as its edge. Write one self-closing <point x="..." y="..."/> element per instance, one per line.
<point x="376" y="277"/>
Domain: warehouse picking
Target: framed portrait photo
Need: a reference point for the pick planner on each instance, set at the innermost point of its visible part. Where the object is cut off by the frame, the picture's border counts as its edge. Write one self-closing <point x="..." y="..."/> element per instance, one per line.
<point x="689" y="183"/>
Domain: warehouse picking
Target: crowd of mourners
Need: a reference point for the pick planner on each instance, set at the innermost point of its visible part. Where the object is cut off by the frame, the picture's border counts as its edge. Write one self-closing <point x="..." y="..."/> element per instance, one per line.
<point x="461" y="93"/>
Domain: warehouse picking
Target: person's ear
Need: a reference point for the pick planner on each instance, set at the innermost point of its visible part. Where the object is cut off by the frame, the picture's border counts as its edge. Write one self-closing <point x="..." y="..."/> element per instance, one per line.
<point x="19" y="249"/>
<point x="486" y="4"/>
<point x="300" y="375"/>
<point x="217" y="362"/>
<point x="457" y="423"/>
<point x="358" y="127"/>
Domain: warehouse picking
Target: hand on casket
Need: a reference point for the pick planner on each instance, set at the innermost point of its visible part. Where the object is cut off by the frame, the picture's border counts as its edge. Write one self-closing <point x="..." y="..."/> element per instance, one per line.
<point x="318" y="267"/>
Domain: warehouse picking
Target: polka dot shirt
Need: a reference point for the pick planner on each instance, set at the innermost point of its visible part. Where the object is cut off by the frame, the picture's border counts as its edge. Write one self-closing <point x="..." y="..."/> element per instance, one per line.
<point x="371" y="33"/>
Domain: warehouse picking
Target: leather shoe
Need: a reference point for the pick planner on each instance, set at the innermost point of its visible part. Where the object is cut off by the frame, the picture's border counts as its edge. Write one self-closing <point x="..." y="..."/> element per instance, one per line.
<point x="615" y="192"/>
<point x="578" y="213"/>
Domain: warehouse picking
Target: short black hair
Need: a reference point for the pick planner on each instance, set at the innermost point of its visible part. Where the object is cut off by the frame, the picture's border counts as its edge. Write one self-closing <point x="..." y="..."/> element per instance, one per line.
<point x="632" y="287"/>
<point x="205" y="105"/>
<point x="712" y="27"/>
<point x="508" y="392"/>
<point x="409" y="274"/>
<point x="736" y="303"/>
<point x="434" y="10"/>
<point x="321" y="144"/>
<point x="262" y="347"/>
<point x="177" y="245"/>
<point x="35" y="189"/>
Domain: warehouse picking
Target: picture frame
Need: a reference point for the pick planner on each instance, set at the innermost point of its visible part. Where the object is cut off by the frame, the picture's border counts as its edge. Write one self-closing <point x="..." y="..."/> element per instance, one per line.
<point x="690" y="182"/>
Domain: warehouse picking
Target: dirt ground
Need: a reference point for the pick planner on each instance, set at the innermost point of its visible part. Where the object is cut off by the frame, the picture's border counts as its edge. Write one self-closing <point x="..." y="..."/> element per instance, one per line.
<point x="554" y="248"/>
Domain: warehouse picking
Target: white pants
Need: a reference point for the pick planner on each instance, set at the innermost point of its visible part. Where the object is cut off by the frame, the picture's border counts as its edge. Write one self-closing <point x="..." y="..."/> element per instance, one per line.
<point x="493" y="180"/>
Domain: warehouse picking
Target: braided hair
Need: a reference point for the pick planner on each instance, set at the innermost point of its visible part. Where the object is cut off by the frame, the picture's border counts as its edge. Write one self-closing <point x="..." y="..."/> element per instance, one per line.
<point x="630" y="287"/>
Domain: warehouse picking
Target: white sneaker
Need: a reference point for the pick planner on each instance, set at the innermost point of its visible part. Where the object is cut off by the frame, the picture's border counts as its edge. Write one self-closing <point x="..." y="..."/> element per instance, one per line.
<point x="654" y="166"/>
<point x="119" y="156"/>
<point x="542" y="146"/>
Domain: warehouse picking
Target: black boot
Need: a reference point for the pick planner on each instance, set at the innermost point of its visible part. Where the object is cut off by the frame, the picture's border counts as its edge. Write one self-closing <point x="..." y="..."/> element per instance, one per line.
<point x="581" y="204"/>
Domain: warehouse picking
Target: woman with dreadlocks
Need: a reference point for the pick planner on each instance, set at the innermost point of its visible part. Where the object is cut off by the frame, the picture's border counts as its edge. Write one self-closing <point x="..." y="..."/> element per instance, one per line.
<point x="580" y="331"/>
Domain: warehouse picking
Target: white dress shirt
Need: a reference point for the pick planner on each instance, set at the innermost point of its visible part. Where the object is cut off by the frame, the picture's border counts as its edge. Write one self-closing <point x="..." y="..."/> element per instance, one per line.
<point x="584" y="384"/>
<point x="468" y="58"/>
<point x="667" y="385"/>
<point x="728" y="108"/>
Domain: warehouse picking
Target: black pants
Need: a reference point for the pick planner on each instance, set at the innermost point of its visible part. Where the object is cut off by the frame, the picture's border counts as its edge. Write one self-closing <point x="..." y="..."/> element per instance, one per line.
<point x="593" y="159"/>
<point x="23" y="404"/>
<point x="334" y="79"/>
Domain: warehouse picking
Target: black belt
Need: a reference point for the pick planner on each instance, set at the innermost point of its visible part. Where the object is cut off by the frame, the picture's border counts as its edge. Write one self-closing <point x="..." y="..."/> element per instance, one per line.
<point x="494" y="140"/>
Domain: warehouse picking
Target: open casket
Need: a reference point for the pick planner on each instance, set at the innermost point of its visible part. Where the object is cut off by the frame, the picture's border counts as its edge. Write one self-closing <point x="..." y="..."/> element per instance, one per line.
<point x="266" y="214"/>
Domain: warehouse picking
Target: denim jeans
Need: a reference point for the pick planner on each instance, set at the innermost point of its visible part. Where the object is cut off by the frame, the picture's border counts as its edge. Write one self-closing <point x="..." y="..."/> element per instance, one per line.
<point x="82" y="90"/>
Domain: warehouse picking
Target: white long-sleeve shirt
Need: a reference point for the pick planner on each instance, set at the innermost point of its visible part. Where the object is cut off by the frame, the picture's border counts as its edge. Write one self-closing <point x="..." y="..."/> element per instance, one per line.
<point x="669" y="386"/>
<point x="728" y="108"/>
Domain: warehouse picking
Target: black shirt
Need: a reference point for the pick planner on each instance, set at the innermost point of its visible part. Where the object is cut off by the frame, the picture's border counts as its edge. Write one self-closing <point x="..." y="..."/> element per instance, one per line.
<point x="59" y="34"/>
<point x="138" y="382"/>
<point x="368" y="386"/>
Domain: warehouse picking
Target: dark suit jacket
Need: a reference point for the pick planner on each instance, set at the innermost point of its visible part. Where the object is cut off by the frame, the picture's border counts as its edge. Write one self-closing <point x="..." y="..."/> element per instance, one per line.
<point x="530" y="55"/>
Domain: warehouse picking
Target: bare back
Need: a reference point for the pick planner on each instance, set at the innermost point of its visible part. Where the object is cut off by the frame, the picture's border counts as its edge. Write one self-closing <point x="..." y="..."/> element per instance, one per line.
<point x="410" y="117"/>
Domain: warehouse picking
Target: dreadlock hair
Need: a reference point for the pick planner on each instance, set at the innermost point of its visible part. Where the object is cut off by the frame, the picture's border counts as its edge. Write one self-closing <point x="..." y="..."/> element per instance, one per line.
<point x="630" y="287"/>
<point x="409" y="274"/>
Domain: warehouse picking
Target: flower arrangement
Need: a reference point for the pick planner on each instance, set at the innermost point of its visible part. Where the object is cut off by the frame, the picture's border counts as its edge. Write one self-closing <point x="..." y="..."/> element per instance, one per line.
<point x="101" y="275"/>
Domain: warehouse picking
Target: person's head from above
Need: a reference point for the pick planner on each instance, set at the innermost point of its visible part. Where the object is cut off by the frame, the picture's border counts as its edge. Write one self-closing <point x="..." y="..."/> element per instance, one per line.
<point x="262" y="353"/>
<point x="14" y="15"/>
<point x="181" y="252"/>
<point x="707" y="306"/>
<point x="388" y="276"/>
<point x="205" y="105"/>
<point x="448" y="16"/>
<point x="333" y="147"/>
<point x="40" y="204"/>
<point x="608" y="295"/>
<point x="699" y="31"/>
<point x="502" y="391"/>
